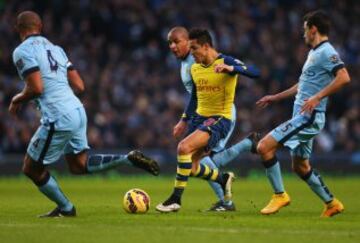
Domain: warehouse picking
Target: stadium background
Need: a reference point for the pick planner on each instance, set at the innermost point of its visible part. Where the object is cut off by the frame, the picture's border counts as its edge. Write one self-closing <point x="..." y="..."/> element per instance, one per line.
<point x="134" y="95"/>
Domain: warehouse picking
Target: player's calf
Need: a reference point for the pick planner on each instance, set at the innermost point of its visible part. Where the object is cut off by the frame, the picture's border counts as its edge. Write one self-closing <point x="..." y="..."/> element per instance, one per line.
<point x="254" y="137"/>
<point x="226" y="184"/>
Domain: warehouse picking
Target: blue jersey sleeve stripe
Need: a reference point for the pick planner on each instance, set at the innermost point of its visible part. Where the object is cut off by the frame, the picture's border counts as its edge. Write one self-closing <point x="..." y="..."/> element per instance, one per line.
<point x="337" y="68"/>
<point x="29" y="71"/>
<point x="240" y="68"/>
<point x="192" y="104"/>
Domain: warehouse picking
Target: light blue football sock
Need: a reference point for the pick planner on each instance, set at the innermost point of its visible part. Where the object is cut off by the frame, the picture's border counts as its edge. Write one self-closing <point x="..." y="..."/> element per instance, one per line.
<point x="224" y="157"/>
<point x="101" y="162"/>
<point x="273" y="173"/>
<point x="52" y="191"/>
<point x="313" y="179"/>
<point x="214" y="185"/>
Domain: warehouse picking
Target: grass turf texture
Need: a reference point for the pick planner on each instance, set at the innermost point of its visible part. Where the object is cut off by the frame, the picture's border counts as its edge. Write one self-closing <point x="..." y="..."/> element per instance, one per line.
<point x="102" y="219"/>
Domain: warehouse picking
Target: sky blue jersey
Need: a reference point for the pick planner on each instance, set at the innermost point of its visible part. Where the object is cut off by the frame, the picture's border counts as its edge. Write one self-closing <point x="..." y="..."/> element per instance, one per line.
<point x="318" y="71"/>
<point x="185" y="72"/>
<point x="37" y="53"/>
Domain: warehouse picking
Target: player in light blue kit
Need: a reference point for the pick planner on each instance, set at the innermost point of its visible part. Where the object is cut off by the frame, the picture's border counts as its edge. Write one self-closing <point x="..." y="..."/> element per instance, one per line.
<point x="322" y="75"/>
<point x="50" y="79"/>
<point x="178" y="39"/>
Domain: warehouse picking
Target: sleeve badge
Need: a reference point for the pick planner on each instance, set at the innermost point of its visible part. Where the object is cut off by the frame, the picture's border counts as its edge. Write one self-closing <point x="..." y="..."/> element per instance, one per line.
<point x="334" y="59"/>
<point x="20" y="64"/>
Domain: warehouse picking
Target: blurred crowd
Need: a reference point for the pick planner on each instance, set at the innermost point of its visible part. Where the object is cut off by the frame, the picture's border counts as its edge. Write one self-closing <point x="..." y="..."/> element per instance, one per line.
<point x="134" y="95"/>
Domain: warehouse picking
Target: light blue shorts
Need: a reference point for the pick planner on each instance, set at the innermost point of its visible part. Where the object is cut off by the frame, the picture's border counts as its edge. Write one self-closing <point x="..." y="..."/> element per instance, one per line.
<point x="64" y="136"/>
<point x="298" y="133"/>
<point x="222" y="143"/>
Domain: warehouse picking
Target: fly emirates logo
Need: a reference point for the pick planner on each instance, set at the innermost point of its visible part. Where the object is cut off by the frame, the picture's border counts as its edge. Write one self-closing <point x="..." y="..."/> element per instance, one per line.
<point x="204" y="86"/>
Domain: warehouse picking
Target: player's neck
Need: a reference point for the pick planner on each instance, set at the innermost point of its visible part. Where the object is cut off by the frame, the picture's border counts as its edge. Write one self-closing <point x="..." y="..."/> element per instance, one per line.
<point x="319" y="39"/>
<point x="185" y="56"/>
<point x="26" y="34"/>
<point x="211" y="57"/>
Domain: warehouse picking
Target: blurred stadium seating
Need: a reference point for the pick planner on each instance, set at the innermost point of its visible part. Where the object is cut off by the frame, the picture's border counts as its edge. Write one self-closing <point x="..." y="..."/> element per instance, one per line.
<point x="133" y="91"/>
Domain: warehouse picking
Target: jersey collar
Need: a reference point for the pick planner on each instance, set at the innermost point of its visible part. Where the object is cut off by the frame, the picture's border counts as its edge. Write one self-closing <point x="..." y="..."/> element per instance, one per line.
<point x="218" y="57"/>
<point x="318" y="45"/>
<point x="33" y="35"/>
<point x="186" y="57"/>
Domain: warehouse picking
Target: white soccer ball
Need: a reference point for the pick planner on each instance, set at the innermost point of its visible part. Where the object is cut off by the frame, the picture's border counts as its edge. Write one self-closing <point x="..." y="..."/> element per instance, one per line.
<point x="136" y="201"/>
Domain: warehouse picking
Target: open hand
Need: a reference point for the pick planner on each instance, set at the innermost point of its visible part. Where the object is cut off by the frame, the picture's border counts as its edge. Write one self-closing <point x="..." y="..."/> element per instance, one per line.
<point x="179" y="128"/>
<point x="223" y="68"/>
<point x="310" y="104"/>
<point x="265" y="101"/>
<point x="14" y="108"/>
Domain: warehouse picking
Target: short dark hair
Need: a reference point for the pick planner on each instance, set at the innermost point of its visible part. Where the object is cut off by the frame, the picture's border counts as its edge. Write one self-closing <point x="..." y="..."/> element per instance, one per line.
<point x="201" y="35"/>
<point x="320" y="19"/>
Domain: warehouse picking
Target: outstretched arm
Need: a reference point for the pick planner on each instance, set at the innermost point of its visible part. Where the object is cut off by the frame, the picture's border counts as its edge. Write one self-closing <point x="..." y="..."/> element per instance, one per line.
<point x="235" y="66"/>
<point x="268" y="99"/>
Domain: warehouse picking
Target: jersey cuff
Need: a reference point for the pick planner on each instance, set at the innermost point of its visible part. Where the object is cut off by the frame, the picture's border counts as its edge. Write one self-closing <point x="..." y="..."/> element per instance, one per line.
<point x="70" y="68"/>
<point x="184" y="117"/>
<point x="30" y="70"/>
<point x="336" y="68"/>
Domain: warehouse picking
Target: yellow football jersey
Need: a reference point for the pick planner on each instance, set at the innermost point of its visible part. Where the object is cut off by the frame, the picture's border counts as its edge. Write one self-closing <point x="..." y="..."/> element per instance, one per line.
<point x="215" y="92"/>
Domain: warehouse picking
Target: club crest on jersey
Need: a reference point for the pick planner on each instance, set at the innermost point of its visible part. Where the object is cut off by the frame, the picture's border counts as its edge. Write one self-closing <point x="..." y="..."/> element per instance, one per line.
<point x="20" y="64"/>
<point x="209" y="122"/>
<point x="334" y="59"/>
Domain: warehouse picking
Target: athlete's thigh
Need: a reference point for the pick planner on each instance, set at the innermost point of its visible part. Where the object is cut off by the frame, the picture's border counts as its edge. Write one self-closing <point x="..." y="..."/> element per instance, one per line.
<point x="32" y="167"/>
<point x="300" y="165"/>
<point x="269" y="142"/>
<point x="196" y="140"/>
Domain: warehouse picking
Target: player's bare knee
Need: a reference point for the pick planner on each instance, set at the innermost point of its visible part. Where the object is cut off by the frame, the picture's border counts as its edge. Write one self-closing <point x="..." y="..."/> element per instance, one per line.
<point x="77" y="163"/>
<point x="32" y="173"/>
<point x="26" y="169"/>
<point x="262" y="148"/>
<point x="183" y="148"/>
<point x="193" y="170"/>
<point x="77" y="169"/>
<point x="301" y="169"/>
<point x="296" y="169"/>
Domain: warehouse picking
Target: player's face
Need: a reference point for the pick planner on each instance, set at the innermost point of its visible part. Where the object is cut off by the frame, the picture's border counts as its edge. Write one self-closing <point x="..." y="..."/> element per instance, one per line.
<point x="178" y="44"/>
<point x="308" y="34"/>
<point x="198" y="51"/>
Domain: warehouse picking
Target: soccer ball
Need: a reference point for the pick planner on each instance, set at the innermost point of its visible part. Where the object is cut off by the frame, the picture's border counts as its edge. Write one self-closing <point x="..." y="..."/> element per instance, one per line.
<point x="136" y="201"/>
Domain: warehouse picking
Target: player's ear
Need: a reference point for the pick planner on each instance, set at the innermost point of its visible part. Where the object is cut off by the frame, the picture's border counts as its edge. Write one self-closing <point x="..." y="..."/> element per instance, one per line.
<point x="313" y="29"/>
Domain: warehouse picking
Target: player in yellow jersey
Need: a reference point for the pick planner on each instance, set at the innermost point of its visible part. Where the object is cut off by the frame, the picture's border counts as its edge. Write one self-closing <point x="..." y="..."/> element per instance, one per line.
<point x="214" y="79"/>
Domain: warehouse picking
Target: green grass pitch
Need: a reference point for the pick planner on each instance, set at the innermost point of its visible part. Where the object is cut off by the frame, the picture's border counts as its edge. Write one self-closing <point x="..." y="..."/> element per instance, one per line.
<point x="102" y="219"/>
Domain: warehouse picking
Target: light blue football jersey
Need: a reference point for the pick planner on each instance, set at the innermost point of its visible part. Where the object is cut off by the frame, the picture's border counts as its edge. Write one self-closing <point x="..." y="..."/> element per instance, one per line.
<point x="318" y="71"/>
<point x="37" y="53"/>
<point x="185" y="72"/>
